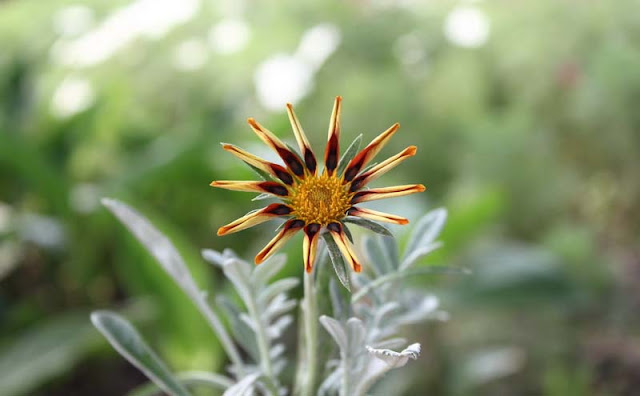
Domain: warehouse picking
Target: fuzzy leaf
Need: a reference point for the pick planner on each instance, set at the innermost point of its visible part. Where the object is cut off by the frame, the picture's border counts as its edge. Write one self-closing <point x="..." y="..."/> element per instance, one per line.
<point x="376" y="257"/>
<point x="263" y="273"/>
<point x="338" y="302"/>
<point x="396" y="359"/>
<point x="347" y="232"/>
<point x="339" y="265"/>
<point x="155" y="242"/>
<point x="276" y="288"/>
<point x="128" y="342"/>
<point x="261" y="197"/>
<point x="262" y="174"/>
<point x="427" y="230"/>
<point x="214" y="257"/>
<point x="390" y="248"/>
<point x="418" y="253"/>
<point x="370" y="225"/>
<point x="243" y="387"/>
<point x="335" y="329"/>
<point x="236" y="272"/>
<point x="242" y="333"/>
<point x="192" y="378"/>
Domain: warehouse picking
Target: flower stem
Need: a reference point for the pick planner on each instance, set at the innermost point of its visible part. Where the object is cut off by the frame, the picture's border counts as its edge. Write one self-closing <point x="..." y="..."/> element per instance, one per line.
<point x="263" y="346"/>
<point x="311" y="333"/>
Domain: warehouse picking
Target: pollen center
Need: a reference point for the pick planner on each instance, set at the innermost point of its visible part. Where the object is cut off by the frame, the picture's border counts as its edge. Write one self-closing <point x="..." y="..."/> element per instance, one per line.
<point x="320" y="199"/>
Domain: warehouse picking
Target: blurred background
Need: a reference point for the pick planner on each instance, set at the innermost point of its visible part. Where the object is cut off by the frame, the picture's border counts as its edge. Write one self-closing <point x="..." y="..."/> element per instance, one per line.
<point x="526" y="118"/>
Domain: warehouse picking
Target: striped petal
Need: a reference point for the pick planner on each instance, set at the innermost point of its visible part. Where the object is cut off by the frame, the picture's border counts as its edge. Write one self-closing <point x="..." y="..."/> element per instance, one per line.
<point x="382" y="168"/>
<point x="366" y="154"/>
<point x="303" y="142"/>
<point x="254" y="218"/>
<point x="333" y="149"/>
<point x="386" y="192"/>
<point x="337" y="232"/>
<point x="292" y="161"/>
<point x="290" y="228"/>
<point x="310" y="244"/>
<point x="377" y="216"/>
<point x="273" y="169"/>
<point x="268" y="187"/>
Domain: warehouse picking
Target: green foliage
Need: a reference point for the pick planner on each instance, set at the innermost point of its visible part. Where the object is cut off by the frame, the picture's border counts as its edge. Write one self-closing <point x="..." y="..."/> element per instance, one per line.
<point x="530" y="141"/>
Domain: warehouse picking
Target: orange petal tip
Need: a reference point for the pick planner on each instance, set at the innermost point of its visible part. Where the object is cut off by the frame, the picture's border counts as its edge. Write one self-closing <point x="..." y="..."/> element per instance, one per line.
<point x="421" y="187"/>
<point x="251" y="121"/>
<point x="213" y="184"/>
<point x="411" y="150"/>
<point x="222" y="231"/>
<point x="403" y="221"/>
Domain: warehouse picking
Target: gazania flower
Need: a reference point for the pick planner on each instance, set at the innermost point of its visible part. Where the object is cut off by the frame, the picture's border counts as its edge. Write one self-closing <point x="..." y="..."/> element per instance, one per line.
<point x="314" y="200"/>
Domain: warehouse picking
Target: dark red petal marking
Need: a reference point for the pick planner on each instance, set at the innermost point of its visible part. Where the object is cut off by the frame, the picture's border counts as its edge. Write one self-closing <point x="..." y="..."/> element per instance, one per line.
<point x="274" y="169"/>
<point x="332" y="151"/>
<point x="377" y="216"/>
<point x="367" y="153"/>
<point x="357" y="184"/>
<point x="343" y="243"/>
<point x="334" y="227"/>
<point x="331" y="156"/>
<point x="301" y="138"/>
<point x="274" y="188"/>
<point x="290" y="228"/>
<point x="386" y="192"/>
<point x="290" y="159"/>
<point x="382" y="168"/>
<point x="254" y="218"/>
<point x="282" y="174"/>
<point x="310" y="244"/>
<point x="294" y="224"/>
<point x="278" y="209"/>
<point x="310" y="160"/>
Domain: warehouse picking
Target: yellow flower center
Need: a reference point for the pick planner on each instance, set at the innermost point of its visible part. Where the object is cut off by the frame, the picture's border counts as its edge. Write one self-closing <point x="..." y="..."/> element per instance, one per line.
<point x="320" y="199"/>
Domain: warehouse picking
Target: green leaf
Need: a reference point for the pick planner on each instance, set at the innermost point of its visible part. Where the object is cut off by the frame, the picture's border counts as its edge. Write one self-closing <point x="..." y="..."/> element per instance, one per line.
<point x="44" y="351"/>
<point x="172" y="262"/>
<point x="337" y="260"/>
<point x="192" y="378"/>
<point x="426" y="230"/>
<point x="347" y="232"/>
<point x="370" y="225"/>
<point x="262" y="196"/>
<point x="263" y="175"/>
<point x="128" y="342"/>
<point x="348" y="155"/>
<point x="390" y="248"/>
<point x="376" y="256"/>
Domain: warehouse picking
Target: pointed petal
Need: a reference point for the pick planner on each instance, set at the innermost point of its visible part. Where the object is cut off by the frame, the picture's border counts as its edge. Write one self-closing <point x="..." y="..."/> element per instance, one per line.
<point x="377" y="216"/>
<point x="387" y="192"/>
<point x="382" y="168"/>
<point x="310" y="244"/>
<point x="367" y="153"/>
<point x="269" y="187"/>
<point x="254" y="218"/>
<point x="290" y="228"/>
<point x="292" y="161"/>
<point x="337" y="232"/>
<point x="333" y="150"/>
<point x="273" y="169"/>
<point x="303" y="142"/>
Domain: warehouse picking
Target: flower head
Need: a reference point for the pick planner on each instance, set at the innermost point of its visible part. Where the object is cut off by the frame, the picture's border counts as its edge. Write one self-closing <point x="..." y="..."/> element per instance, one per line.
<point x="314" y="201"/>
